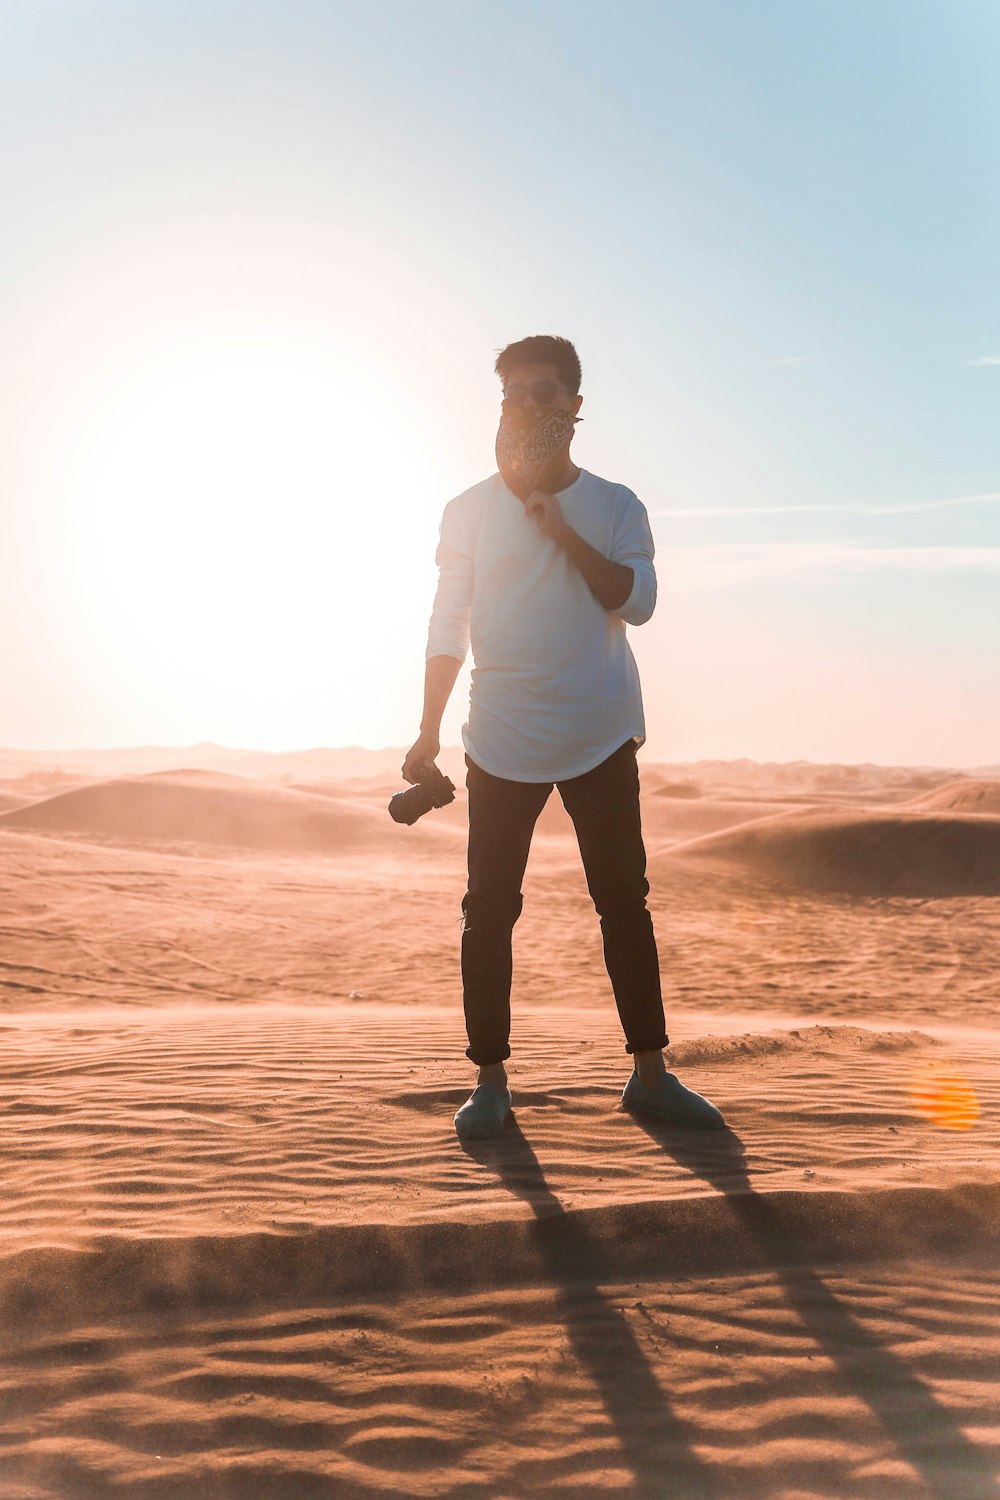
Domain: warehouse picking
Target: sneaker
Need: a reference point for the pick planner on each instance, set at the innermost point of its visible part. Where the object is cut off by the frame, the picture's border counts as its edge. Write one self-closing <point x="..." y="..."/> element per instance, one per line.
<point x="672" y="1102"/>
<point x="484" y="1113"/>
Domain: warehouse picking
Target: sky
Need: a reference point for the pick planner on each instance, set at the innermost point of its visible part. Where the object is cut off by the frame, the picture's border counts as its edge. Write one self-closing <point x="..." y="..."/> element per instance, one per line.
<point x="256" y="263"/>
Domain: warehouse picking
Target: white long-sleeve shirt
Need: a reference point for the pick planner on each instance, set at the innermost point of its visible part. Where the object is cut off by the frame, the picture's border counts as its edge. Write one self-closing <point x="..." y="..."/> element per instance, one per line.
<point x="555" y="687"/>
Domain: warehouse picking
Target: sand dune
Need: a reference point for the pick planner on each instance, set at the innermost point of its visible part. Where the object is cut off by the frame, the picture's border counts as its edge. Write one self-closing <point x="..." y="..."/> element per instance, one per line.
<point x="245" y="1256"/>
<point x="148" y="924"/>
<point x="680" y="820"/>
<point x="962" y="796"/>
<point x="865" y="853"/>
<point x="9" y="802"/>
<point x="665" y="819"/>
<point x="686" y="789"/>
<point x="197" y="776"/>
<point x="207" y="807"/>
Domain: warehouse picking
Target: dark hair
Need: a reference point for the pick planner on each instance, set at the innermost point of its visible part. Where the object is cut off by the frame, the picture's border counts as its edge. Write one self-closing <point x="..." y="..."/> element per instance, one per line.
<point x="543" y="349"/>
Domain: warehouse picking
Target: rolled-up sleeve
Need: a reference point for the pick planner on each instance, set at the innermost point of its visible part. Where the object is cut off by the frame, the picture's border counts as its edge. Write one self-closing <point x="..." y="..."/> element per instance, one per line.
<point x="448" y="631"/>
<point x="633" y="545"/>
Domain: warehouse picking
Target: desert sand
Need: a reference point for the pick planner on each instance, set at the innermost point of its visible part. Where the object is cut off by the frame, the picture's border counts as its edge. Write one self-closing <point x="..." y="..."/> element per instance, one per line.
<point x="245" y="1254"/>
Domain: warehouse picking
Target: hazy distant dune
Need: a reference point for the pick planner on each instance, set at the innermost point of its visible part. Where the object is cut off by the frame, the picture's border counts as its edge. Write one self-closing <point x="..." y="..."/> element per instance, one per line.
<point x="30" y="786"/>
<point x="866" y="853"/>
<point x="351" y="786"/>
<point x="212" y="808"/>
<point x="8" y="802"/>
<point x="200" y="775"/>
<point x="962" y="796"/>
<point x="679" y="819"/>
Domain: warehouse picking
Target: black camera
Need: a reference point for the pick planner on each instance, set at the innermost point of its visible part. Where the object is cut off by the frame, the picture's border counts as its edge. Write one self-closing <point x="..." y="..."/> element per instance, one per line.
<point x="434" y="789"/>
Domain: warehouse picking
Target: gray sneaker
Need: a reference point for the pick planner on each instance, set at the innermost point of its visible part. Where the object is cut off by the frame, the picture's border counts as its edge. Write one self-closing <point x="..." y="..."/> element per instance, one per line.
<point x="672" y="1102"/>
<point x="484" y="1113"/>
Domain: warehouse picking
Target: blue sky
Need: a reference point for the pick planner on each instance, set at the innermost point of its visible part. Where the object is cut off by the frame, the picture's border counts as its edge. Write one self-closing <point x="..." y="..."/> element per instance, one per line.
<point x="769" y="228"/>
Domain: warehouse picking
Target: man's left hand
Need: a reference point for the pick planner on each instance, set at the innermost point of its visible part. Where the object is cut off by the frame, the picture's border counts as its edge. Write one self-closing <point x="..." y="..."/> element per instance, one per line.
<point x="548" y="513"/>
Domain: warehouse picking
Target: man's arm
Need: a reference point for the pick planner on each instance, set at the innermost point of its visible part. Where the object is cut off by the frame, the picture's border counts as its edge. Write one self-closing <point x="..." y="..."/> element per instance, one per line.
<point x="609" y="582"/>
<point x="440" y="673"/>
<point x="447" y="639"/>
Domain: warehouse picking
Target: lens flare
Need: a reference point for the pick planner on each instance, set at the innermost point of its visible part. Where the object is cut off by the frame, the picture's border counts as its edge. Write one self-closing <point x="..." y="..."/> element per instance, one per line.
<point x="945" y="1096"/>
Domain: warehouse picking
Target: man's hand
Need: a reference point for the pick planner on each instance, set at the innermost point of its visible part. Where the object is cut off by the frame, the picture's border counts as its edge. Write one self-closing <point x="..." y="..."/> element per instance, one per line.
<point x="548" y="513"/>
<point x="439" y="679"/>
<point x="609" y="582"/>
<point x="421" y="754"/>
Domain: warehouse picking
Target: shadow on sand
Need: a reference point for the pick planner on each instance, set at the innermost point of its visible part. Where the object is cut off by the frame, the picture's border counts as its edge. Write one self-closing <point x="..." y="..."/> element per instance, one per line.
<point x="659" y="1446"/>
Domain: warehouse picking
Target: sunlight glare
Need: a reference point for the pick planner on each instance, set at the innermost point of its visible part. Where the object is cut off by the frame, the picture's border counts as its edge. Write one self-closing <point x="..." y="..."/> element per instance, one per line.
<point x="944" y="1096"/>
<point x="241" y="527"/>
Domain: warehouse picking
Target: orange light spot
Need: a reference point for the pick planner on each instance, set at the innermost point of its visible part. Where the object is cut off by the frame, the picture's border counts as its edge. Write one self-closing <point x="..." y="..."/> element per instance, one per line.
<point x="945" y="1096"/>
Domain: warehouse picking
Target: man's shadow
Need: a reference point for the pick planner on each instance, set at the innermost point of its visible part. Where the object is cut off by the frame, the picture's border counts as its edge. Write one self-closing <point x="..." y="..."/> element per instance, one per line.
<point x="905" y="1406"/>
<point x="657" y="1444"/>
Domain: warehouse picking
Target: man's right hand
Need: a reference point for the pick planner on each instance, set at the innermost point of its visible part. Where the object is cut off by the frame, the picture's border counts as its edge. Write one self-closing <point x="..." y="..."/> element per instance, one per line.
<point x="422" y="753"/>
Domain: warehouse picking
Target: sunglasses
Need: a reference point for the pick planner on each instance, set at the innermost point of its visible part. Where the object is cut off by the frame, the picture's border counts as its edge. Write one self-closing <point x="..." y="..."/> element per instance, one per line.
<point x="542" y="393"/>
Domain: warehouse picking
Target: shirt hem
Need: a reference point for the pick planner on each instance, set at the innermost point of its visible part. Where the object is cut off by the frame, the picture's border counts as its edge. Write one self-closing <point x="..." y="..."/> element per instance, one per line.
<point x="588" y="764"/>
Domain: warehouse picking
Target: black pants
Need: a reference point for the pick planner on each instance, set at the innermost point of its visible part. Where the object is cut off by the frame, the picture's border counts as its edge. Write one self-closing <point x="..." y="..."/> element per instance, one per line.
<point x="604" y="806"/>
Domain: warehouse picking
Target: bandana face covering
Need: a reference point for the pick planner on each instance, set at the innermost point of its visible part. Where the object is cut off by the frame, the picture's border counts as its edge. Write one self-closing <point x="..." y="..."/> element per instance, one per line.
<point x="530" y="447"/>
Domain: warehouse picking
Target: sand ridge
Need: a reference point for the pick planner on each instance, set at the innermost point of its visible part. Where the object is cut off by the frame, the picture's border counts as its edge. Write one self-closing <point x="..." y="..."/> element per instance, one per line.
<point x="254" y="1284"/>
<point x="944" y="841"/>
<point x="867" y="851"/>
<point x="969" y="796"/>
<point x="294" y="1119"/>
<point x="190" y="806"/>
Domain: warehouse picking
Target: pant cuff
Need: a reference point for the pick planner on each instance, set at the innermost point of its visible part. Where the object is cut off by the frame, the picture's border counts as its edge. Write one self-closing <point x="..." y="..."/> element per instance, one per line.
<point x="486" y="1062"/>
<point x="648" y="1046"/>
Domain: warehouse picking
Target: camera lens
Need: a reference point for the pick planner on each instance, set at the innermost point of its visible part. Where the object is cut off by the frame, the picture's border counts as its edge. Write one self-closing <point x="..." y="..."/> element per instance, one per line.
<point x="436" y="790"/>
<point x="407" y="807"/>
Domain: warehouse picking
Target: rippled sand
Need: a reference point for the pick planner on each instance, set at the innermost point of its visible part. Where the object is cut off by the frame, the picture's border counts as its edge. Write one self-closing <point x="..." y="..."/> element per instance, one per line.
<point x="246" y="1256"/>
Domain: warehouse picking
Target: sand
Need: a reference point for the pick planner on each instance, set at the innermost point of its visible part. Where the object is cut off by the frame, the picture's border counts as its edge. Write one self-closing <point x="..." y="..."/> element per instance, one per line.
<point x="246" y="1256"/>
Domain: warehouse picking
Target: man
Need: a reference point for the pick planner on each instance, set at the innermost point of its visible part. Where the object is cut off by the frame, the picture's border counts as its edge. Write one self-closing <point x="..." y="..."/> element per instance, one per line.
<point x="541" y="567"/>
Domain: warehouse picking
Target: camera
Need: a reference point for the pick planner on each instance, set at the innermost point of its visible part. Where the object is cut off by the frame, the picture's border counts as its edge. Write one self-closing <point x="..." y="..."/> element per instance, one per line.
<point x="434" y="789"/>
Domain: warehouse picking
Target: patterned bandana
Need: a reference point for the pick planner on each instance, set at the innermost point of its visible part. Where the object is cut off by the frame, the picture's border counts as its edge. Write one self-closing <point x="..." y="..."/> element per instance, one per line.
<point x="531" y="447"/>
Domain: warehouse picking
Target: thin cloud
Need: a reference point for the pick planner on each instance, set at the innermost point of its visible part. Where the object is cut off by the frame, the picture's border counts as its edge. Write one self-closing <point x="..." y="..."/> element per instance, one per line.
<point x="790" y="359"/>
<point x="724" y="562"/>
<point x="987" y="359"/>
<point x="826" y="510"/>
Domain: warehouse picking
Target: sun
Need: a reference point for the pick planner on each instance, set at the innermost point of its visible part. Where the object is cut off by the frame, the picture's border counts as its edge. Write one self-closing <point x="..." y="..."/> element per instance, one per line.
<point x="240" y="532"/>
